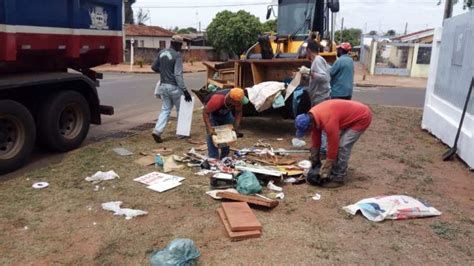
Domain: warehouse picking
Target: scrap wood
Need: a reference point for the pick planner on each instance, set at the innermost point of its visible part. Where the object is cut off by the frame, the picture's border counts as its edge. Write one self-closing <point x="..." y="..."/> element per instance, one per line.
<point x="249" y="199"/>
<point x="240" y="216"/>
<point x="196" y="142"/>
<point x="146" y="160"/>
<point x="236" y="236"/>
<point x="201" y="147"/>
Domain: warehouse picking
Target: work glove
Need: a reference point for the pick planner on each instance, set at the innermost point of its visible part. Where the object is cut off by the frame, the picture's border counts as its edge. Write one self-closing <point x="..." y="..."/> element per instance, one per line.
<point x="187" y="96"/>
<point x="315" y="157"/>
<point x="304" y="70"/>
<point x="326" y="168"/>
<point x="211" y="131"/>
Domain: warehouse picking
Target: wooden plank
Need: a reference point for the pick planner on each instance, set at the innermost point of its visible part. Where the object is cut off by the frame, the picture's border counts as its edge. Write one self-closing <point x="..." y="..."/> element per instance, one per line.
<point x="236" y="236"/>
<point x="240" y="217"/>
<point x="249" y="199"/>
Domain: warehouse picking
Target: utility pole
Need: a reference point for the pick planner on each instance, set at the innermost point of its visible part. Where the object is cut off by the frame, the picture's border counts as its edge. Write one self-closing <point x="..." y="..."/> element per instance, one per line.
<point x="406" y="28"/>
<point x="448" y="9"/>
<point x="342" y="28"/>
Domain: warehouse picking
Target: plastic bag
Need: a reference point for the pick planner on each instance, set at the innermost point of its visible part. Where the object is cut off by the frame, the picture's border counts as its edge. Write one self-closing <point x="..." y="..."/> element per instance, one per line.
<point x="398" y="207"/>
<point x="247" y="184"/>
<point x="102" y="176"/>
<point x="313" y="177"/>
<point x="114" y="206"/>
<point x="298" y="143"/>
<point x="180" y="252"/>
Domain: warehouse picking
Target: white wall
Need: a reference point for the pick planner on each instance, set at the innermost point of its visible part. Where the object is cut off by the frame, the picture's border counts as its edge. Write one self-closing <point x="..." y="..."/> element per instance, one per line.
<point x="150" y="42"/>
<point x="447" y="87"/>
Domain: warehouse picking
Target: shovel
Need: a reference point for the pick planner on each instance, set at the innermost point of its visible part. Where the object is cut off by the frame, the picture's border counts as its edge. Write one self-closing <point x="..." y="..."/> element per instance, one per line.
<point x="449" y="154"/>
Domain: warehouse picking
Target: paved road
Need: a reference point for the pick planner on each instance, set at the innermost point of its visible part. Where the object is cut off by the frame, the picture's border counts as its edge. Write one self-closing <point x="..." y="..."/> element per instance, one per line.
<point x="132" y="97"/>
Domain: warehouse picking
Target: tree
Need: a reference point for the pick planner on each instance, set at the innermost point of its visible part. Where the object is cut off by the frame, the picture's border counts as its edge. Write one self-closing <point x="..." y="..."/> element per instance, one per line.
<point x="142" y="17"/>
<point x="129" y="11"/>
<point x="373" y="32"/>
<point x="234" y="33"/>
<point x="351" y="36"/>
<point x="391" y="33"/>
<point x="187" y="30"/>
<point x="270" y="26"/>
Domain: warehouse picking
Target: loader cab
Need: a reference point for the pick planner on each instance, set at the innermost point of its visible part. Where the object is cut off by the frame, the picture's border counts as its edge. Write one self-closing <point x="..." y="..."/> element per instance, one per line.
<point x="295" y="18"/>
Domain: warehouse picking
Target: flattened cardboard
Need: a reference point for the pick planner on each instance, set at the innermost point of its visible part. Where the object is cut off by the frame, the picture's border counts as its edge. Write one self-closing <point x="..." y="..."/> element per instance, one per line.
<point x="240" y="217"/>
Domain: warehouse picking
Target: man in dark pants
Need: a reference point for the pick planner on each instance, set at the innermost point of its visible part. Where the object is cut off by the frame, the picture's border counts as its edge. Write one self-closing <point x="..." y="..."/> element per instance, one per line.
<point x="342" y="73"/>
<point x="171" y="87"/>
<point x="218" y="111"/>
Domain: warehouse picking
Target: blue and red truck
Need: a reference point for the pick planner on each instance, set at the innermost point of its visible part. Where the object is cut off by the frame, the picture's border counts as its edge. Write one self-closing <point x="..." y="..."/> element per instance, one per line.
<point x="48" y="91"/>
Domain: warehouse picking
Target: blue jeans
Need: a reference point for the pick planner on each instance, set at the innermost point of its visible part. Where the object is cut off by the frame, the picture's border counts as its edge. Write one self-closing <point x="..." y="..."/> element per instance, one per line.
<point x="170" y="96"/>
<point x="218" y="120"/>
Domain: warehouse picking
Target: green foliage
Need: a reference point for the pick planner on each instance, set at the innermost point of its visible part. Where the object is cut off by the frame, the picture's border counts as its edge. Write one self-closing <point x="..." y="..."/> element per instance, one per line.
<point x="351" y="35"/>
<point x="187" y="30"/>
<point x="234" y="33"/>
<point x="270" y="25"/>
<point x="391" y="33"/>
<point x="373" y="32"/>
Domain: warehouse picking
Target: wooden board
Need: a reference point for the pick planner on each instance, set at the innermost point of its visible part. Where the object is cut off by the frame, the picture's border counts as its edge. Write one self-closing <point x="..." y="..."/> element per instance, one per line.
<point x="236" y="236"/>
<point x="240" y="216"/>
<point x="249" y="199"/>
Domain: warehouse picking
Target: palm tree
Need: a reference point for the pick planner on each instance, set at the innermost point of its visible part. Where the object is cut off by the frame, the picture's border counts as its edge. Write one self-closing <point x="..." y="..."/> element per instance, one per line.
<point x="142" y="16"/>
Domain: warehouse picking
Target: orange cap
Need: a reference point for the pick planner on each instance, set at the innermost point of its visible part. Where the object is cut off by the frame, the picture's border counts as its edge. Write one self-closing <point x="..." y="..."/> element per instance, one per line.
<point x="237" y="94"/>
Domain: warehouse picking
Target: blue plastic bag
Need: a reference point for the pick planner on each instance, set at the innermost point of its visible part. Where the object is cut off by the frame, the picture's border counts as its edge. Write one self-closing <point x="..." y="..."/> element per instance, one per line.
<point x="247" y="183"/>
<point x="180" y="252"/>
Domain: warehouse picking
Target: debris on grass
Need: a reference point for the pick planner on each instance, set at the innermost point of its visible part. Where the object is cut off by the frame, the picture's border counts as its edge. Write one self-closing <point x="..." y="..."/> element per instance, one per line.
<point x="398" y="207"/>
<point x="122" y="151"/>
<point x="40" y="185"/>
<point x="102" y="176"/>
<point x="114" y="206"/>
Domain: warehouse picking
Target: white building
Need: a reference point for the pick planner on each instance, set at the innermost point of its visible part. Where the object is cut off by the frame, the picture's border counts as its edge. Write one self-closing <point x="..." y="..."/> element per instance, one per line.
<point x="148" y="36"/>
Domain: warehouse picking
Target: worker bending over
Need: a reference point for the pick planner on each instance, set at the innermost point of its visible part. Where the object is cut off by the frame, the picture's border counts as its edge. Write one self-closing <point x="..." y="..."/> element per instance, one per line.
<point x="218" y="111"/>
<point x="344" y="122"/>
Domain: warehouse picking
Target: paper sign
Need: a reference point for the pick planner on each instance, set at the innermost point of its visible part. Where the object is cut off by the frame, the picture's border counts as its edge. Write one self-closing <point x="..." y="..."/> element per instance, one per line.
<point x="164" y="186"/>
<point x="185" y="117"/>
<point x="156" y="177"/>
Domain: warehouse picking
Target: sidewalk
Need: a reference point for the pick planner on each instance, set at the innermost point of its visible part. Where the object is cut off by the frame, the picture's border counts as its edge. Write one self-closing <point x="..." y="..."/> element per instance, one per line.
<point x="146" y="69"/>
<point x="385" y="80"/>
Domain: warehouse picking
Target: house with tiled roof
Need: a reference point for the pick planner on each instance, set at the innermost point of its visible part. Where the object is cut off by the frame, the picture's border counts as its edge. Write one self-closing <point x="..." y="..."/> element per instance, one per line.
<point x="147" y="36"/>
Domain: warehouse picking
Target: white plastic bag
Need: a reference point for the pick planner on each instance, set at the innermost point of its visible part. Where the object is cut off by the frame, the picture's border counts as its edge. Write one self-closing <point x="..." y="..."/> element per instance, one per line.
<point x="114" y="206"/>
<point x="102" y="176"/>
<point x="298" y="143"/>
<point x="398" y="207"/>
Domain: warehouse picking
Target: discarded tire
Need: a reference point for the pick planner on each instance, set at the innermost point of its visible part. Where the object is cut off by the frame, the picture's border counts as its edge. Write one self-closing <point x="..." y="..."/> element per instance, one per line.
<point x="17" y="135"/>
<point x="63" y="121"/>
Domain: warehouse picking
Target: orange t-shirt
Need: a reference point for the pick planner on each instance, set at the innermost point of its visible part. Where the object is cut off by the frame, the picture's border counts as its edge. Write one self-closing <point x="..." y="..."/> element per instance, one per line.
<point x="332" y="116"/>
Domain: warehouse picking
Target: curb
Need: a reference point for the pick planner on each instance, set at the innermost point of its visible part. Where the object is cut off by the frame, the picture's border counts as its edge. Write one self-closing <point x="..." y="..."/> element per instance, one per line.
<point x="370" y="85"/>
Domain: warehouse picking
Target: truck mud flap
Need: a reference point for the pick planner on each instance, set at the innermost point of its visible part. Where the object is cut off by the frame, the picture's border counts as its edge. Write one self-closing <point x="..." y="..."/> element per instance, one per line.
<point x="106" y="110"/>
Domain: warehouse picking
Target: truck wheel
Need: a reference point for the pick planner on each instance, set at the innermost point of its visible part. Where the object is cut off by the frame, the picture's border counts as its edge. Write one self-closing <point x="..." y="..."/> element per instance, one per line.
<point x="63" y="121"/>
<point x="17" y="135"/>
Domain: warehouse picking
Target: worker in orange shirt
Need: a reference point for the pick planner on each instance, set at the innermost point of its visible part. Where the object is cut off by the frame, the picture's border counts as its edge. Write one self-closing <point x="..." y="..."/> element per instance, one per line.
<point x="344" y="122"/>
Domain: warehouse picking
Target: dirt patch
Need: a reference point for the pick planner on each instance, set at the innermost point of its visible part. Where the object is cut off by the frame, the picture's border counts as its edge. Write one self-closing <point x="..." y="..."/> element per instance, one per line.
<point x="64" y="223"/>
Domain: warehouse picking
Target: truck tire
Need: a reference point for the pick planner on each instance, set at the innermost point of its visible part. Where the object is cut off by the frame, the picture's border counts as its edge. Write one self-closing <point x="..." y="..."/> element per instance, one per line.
<point x="17" y="135"/>
<point x="63" y="121"/>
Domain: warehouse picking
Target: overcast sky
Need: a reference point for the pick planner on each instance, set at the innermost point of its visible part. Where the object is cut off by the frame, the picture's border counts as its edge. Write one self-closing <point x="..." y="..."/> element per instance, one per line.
<point x="379" y="15"/>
